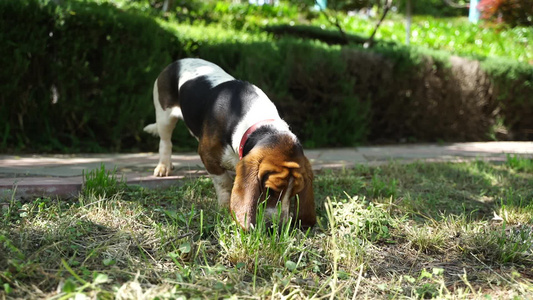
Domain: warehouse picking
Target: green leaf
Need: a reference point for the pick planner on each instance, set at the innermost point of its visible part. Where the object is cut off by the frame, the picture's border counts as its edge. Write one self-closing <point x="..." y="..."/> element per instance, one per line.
<point x="185" y="247"/>
<point x="438" y="271"/>
<point x="171" y="214"/>
<point x="108" y="262"/>
<point x="100" y="278"/>
<point x="7" y="288"/>
<point x="69" y="287"/>
<point x="240" y="265"/>
<point x="343" y="275"/>
<point x="290" y="265"/>
<point x="219" y="286"/>
<point x="425" y="274"/>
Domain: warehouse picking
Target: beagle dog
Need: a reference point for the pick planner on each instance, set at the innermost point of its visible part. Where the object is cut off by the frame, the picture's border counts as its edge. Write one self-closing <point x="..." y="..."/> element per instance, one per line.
<point x="238" y="129"/>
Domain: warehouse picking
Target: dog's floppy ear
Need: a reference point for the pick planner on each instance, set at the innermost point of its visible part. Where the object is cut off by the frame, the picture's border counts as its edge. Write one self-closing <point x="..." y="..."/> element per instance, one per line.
<point x="246" y="191"/>
<point x="306" y="197"/>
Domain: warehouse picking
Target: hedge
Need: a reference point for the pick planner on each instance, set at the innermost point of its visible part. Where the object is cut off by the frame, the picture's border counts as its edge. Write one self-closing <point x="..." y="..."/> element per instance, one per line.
<point x="78" y="78"/>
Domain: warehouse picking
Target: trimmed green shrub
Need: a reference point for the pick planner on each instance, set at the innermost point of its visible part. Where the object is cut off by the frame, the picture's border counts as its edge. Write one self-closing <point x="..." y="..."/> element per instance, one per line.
<point x="312" y="32"/>
<point x="25" y="29"/>
<point x="512" y="91"/>
<point x="334" y="95"/>
<point x="79" y="77"/>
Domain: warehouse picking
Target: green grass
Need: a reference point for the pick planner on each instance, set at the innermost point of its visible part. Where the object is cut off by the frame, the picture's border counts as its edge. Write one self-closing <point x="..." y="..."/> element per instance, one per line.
<point x="454" y="35"/>
<point x="100" y="182"/>
<point x="396" y="231"/>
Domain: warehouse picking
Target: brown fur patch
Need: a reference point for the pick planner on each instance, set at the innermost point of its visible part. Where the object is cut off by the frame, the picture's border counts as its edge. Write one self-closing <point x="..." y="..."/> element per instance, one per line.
<point x="272" y="167"/>
<point x="210" y="150"/>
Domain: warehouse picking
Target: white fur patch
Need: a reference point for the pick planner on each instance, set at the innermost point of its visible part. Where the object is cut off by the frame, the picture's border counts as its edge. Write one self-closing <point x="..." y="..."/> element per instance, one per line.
<point x="230" y="158"/>
<point x="176" y="113"/>
<point x="191" y="68"/>
<point x="151" y="129"/>
<point x="264" y="110"/>
<point x="223" y="185"/>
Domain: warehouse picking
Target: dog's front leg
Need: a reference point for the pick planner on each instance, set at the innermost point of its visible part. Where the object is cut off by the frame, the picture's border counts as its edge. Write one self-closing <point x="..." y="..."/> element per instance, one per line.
<point x="223" y="185"/>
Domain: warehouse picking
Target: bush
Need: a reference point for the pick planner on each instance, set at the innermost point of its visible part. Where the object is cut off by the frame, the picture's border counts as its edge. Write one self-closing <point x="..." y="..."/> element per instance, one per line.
<point x="512" y="90"/>
<point x="77" y="77"/>
<point x="342" y="96"/>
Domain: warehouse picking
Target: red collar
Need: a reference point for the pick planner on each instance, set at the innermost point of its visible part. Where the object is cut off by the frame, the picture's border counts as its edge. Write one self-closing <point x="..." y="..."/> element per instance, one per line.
<point x="249" y="132"/>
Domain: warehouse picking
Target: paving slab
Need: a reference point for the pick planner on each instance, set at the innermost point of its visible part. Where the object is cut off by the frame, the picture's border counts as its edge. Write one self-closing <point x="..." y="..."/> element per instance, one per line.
<point x="61" y="175"/>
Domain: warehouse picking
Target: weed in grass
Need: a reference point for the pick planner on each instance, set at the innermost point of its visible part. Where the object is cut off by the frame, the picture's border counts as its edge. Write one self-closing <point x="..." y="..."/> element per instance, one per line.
<point x="77" y="287"/>
<point x="500" y="243"/>
<point x="514" y="244"/>
<point x="383" y="188"/>
<point x="10" y="208"/>
<point x="101" y="182"/>
<point x="363" y="219"/>
<point x="425" y="238"/>
<point x="518" y="163"/>
<point x="430" y="285"/>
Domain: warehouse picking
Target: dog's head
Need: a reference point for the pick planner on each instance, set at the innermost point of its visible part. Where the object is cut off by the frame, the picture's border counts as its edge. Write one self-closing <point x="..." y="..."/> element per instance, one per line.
<point x="275" y="174"/>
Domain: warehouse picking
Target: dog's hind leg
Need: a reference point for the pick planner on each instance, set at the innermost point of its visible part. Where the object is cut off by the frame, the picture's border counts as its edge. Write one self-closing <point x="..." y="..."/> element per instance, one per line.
<point x="166" y="120"/>
<point x="165" y="148"/>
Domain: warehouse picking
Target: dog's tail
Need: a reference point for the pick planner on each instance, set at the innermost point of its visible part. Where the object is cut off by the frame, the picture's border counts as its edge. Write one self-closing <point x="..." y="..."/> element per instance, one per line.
<point x="152" y="129"/>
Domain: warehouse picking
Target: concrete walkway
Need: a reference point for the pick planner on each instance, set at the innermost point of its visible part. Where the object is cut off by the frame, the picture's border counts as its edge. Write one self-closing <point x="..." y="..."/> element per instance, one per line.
<point x="61" y="175"/>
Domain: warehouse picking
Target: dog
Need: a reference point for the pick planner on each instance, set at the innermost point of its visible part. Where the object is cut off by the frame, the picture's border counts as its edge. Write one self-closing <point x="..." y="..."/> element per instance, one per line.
<point x="238" y="129"/>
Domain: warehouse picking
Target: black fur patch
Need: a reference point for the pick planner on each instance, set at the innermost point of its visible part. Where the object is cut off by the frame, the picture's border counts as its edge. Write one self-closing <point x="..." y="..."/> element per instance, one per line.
<point x="168" y="86"/>
<point x="216" y="110"/>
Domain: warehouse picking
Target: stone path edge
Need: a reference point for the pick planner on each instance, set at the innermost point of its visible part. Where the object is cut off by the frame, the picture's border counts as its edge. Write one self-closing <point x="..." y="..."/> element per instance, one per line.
<point x="61" y="175"/>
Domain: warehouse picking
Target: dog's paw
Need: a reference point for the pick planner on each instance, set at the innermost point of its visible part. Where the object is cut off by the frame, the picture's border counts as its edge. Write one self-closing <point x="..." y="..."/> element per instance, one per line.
<point x="162" y="170"/>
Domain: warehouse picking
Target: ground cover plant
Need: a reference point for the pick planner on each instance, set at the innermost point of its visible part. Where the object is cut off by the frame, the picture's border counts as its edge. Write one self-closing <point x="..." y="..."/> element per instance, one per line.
<point x="455" y="35"/>
<point x="421" y="230"/>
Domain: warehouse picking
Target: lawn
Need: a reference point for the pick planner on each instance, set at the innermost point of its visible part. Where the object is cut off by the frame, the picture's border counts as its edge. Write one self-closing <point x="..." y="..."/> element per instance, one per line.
<point x="422" y="230"/>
